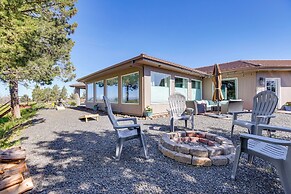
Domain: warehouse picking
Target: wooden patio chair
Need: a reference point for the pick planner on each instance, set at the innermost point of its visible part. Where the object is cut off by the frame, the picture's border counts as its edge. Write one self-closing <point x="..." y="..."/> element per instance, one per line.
<point x="179" y="111"/>
<point x="264" y="105"/>
<point x="125" y="132"/>
<point x="276" y="151"/>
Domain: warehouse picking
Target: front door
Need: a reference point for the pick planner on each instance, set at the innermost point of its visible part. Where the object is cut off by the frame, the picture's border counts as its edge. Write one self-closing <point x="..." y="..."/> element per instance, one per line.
<point x="273" y="84"/>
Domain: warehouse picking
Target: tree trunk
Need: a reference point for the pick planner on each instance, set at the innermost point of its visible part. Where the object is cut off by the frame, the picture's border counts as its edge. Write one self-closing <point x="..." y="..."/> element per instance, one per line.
<point x="13" y="88"/>
<point x="127" y="93"/>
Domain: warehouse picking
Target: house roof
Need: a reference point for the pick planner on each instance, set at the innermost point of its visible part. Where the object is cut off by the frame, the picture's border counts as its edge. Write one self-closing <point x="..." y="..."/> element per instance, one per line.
<point x="150" y="60"/>
<point x="78" y="85"/>
<point x="242" y="65"/>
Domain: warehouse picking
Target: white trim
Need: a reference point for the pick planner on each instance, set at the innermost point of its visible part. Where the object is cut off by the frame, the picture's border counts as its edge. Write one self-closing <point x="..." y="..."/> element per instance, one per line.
<point x="117" y="88"/>
<point x="197" y="80"/>
<point x="168" y="75"/>
<point x="226" y="79"/>
<point x="278" y="80"/>
<point x="95" y="92"/>
<point x="138" y="88"/>
<point x="91" y="101"/>
<point x="187" y="98"/>
<point x="181" y="77"/>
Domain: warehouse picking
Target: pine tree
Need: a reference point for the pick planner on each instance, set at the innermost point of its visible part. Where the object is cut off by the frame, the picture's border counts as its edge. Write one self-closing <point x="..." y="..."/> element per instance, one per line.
<point x="55" y="93"/>
<point x="37" y="94"/>
<point x="34" y="43"/>
<point x="64" y="93"/>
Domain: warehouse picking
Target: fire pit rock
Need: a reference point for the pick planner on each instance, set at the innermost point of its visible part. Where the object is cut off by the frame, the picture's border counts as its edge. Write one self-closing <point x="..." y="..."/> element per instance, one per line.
<point x="197" y="148"/>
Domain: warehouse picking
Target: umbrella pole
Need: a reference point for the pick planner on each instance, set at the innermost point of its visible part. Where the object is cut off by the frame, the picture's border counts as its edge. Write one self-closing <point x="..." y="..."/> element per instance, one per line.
<point x="218" y="107"/>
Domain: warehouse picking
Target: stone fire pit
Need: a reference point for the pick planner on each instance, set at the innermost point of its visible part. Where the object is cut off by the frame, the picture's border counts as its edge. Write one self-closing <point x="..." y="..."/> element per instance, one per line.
<point x="197" y="148"/>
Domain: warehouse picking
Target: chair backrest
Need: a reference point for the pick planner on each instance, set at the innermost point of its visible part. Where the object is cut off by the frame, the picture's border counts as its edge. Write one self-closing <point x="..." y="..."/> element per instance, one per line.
<point x="264" y="103"/>
<point x="109" y="112"/>
<point x="177" y="104"/>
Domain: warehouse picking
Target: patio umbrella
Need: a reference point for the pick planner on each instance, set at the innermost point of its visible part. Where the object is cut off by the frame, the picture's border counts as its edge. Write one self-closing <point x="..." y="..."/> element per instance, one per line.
<point x="217" y="81"/>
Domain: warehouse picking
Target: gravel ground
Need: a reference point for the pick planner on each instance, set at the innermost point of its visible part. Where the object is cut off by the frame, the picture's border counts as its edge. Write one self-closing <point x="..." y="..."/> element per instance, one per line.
<point x="66" y="155"/>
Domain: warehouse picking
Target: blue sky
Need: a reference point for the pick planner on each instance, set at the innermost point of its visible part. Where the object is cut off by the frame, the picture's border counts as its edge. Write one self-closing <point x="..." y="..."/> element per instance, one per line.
<point x="189" y="32"/>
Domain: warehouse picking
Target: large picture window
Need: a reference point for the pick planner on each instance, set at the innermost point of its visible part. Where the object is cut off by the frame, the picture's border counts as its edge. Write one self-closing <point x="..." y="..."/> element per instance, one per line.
<point x="99" y="91"/>
<point x="181" y="86"/>
<point x="196" y="89"/>
<point x="160" y="87"/>
<point x="229" y="89"/>
<point x="112" y="89"/>
<point x="90" y="94"/>
<point x="130" y="88"/>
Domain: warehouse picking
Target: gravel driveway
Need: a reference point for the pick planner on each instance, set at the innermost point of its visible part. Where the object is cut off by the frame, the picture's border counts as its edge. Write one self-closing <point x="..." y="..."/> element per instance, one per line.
<point x="66" y="155"/>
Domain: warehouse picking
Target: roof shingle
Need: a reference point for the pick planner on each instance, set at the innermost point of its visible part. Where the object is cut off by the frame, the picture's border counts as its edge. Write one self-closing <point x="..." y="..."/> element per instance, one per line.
<point x="241" y="65"/>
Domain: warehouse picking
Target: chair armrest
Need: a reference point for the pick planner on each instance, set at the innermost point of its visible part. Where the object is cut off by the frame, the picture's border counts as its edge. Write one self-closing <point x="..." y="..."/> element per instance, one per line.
<point x="266" y="139"/>
<point x="190" y="111"/>
<point x="277" y="128"/>
<point x="258" y="118"/>
<point x="128" y="119"/>
<point x="239" y="112"/>
<point x="265" y="116"/>
<point x="127" y="126"/>
<point x="236" y="113"/>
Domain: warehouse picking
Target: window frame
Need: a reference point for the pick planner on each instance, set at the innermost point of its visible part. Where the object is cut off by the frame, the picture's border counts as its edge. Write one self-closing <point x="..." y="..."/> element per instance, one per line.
<point x="168" y="75"/>
<point x="183" y="88"/>
<point x="236" y="85"/>
<point x="197" y="80"/>
<point x="87" y="90"/>
<point x="134" y="103"/>
<point x="96" y="100"/>
<point x="116" y="77"/>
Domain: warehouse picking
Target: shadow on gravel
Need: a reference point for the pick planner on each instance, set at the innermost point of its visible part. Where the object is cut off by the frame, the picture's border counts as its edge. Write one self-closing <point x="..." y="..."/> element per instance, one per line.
<point x="82" y="162"/>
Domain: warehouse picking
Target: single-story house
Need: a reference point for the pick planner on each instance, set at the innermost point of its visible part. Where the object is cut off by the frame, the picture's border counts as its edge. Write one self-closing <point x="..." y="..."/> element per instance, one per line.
<point x="245" y="78"/>
<point x="142" y="81"/>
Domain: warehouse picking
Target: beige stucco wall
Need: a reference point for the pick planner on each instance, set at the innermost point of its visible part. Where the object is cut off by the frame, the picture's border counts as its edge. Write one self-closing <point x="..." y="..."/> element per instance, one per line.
<point x="125" y="108"/>
<point x="207" y="89"/>
<point x="285" y="89"/>
<point x="246" y="87"/>
<point x="163" y="107"/>
<point x="145" y="89"/>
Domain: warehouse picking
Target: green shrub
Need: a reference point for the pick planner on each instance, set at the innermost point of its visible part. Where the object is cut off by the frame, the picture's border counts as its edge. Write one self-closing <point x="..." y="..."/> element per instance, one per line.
<point x="10" y="126"/>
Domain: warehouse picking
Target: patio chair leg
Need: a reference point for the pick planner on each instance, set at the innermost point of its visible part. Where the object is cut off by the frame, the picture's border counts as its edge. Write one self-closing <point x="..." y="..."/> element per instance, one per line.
<point x="236" y="161"/>
<point x="250" y="159"/>
<point x="139" y="133"/>
<point x="283" y="173"/>
<point x="144" y="145"/>
<point x="172" y="124"/>
<point x="232" y="128"/>
<point x="119" y="147"/>
<point x="186" y="123"/>
<point x="192" y="123"/>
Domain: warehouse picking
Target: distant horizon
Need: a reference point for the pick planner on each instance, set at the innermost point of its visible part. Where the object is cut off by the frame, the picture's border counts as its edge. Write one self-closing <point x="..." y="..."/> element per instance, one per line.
<point x="190" y="33"/>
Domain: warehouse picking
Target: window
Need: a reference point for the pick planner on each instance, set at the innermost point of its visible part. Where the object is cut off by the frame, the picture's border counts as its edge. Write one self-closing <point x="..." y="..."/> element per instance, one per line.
<point x="196" y="90"/>
<point x="160" y="87"/>
<point x="112" y="89"/>
<point x="90" y="92"/>
<point x="130" y="88"/>
<point x="99" y="91"/>
<point x="229" y="89"/>
<point x="181" y="86"/>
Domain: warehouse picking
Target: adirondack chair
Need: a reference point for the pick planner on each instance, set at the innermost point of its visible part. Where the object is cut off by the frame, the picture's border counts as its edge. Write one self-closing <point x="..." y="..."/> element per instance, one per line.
<point x="125" y="132"/>
<point x="276" y="151"/>
<point x="179" y="111"/>
<point x="264" y="105"/>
